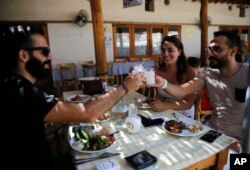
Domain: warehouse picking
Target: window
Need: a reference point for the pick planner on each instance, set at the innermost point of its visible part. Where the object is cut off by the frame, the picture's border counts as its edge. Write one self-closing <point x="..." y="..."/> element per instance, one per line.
<point x="140" y="36"/>
<point x="123" y="41"/>
<point x="138" y="41"/>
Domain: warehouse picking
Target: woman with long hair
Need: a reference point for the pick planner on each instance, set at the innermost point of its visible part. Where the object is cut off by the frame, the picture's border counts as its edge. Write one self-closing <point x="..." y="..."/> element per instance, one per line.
<point x="174" y="67"/>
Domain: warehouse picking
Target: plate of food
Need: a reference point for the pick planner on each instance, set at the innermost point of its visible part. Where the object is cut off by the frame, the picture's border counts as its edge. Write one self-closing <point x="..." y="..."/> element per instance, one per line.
<point x="183" y="127"/>
<point x="104" y="118"/>
<point x="83" y="98"/>
<point x="143" y="104"/>
<point x="87" y="140"/>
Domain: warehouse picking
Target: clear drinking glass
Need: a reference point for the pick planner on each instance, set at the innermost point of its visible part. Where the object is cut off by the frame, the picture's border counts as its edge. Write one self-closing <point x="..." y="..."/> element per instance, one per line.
<point x="119" y="113"/>
<point x="138" y="68"/>
<point x="150" y="76"/>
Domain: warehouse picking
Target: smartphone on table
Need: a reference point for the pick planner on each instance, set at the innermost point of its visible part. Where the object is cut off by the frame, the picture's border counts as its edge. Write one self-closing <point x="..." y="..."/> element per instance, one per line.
<point x="147" y="122"/>
<point x="210" y="136"/>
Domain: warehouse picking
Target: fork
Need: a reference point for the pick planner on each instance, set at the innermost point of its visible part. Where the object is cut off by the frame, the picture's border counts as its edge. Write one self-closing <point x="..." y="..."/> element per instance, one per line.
<point x="101" y="156"/>
<point x="175" y="117"/>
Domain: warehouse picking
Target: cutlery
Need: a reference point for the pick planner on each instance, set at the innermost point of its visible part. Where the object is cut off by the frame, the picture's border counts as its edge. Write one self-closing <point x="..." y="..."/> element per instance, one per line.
<point x="110" y="134"/>
<point x="101" y="156"/>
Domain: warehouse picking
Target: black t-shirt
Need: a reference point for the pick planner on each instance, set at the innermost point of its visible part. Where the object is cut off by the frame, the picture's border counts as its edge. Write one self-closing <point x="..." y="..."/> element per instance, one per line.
<point x="24" y="142"/>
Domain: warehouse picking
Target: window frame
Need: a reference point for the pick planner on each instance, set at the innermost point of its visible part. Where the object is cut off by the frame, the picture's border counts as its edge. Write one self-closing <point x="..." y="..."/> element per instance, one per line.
<point x="149" y="28"/>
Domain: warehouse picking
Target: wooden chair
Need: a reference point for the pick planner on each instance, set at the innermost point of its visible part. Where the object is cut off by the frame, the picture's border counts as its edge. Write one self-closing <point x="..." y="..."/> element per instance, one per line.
<point x="68" y="76"/>
<point x="203" y="107"/>
<point x="146" y="59"/>
<point x="110" y="78"/>
<point x="134" y="59"/>
<point x="150" y="92"/>
<point x="52" y="133"/>
<point x="121" y="60"/>
<point x="86" y="66"/>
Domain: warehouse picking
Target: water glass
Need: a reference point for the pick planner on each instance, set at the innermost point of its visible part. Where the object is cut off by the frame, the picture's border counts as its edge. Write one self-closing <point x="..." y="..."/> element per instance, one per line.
<point x="132" y="109"/>
<point x="150" y="76"/>
<point x="133" y="124"/>
<point x="138" y="68"/>
<point x="119" y="113"/>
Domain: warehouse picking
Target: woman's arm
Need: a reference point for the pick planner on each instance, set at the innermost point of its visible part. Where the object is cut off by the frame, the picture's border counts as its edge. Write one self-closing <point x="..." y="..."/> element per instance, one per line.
<point x="186" y="103"/>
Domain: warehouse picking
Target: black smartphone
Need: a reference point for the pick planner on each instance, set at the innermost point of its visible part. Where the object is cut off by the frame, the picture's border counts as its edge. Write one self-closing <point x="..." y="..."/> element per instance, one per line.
<point x="210" y="136"/>
<point x="141" y="159"/>
<point x="147" y="122"/>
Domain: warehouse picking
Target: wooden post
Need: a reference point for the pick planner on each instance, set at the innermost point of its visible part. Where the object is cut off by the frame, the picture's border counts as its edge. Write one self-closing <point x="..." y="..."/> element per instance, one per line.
<point x="204" y="31"/>
<point x="98" y="30"/>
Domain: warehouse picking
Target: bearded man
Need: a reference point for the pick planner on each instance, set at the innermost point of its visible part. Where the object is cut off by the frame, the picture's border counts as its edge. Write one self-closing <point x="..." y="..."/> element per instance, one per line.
<point x="26" y="58"/>
<point x="226" y="81"/>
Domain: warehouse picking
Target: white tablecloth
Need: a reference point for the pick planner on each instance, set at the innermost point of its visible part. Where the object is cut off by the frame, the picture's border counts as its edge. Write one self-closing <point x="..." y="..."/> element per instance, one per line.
<point x="172" y="152"/>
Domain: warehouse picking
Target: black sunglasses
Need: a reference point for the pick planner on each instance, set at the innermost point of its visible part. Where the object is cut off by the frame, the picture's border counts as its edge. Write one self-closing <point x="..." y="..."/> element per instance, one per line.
<point x="44" y="50"/>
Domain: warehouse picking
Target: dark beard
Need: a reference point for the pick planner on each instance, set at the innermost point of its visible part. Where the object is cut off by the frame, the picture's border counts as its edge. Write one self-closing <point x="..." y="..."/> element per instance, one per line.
<point x="36" y="68"/>
<point x="217" y="63"/>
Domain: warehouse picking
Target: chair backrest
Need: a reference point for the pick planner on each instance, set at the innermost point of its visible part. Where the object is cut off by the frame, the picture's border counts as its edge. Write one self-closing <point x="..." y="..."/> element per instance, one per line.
<point x="110" y="78"/>
<point x="150" y="92"/>
<point x="86" y="65"/>
<point x="203" y="106"/>
<point x="121" y="60"/>
<point x="146" y="59"/>
<point x="68" y="75"/>
<point x="134" y="59"/>
<point x="107" y="78"/>
<point x="87" y="62"/>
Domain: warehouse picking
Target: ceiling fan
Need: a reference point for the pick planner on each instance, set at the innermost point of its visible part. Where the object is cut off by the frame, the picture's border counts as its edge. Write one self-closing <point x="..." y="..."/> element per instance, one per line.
<point x="81" y="18"/>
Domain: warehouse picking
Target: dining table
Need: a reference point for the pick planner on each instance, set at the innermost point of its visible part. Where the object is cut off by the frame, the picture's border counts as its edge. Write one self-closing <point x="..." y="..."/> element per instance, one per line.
<point x="173" y="152"/>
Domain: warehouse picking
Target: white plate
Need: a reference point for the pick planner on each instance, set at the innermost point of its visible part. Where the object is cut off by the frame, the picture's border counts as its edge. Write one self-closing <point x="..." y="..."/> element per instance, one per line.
<point x="84" y="98"/>
<point x="185" y="132"/>
<point x="72" y="140"/>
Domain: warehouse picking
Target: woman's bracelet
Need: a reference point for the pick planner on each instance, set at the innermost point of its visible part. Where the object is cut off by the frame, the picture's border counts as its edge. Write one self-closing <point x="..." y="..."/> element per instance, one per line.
<point x="125" y="87"/>
<point x="165" y="84"/>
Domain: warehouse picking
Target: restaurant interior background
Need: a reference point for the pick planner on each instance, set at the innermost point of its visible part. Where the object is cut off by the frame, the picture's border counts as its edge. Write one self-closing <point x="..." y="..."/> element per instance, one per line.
<point x="72" y="43"/>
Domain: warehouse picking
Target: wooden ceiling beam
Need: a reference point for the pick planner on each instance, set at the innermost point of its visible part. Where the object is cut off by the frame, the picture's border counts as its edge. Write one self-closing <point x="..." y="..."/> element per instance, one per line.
<point x="238" y="2"/>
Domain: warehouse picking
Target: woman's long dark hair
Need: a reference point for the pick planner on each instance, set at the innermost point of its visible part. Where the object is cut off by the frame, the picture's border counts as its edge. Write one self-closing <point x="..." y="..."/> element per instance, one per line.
<point x="182" y="59"/>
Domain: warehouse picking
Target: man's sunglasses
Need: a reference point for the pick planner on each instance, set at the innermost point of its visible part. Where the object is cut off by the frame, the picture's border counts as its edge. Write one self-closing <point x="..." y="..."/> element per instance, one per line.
<point x="44" y="50"/>
<point x="214" y="49"/>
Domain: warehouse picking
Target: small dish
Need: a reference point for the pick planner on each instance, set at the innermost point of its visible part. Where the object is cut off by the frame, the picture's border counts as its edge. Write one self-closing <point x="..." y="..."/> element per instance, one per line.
<point x="76" y="98"/>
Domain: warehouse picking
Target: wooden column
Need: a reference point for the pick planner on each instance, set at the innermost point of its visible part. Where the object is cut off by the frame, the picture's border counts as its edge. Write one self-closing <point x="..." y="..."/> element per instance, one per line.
<point x="98" y="30"/>
<point x="204" y="31"/>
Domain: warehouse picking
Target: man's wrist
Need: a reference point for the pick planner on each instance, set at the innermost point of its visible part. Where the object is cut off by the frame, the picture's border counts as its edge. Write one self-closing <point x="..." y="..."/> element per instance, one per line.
<point x="165" y="84"/>
<point x="125" y="87"/>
